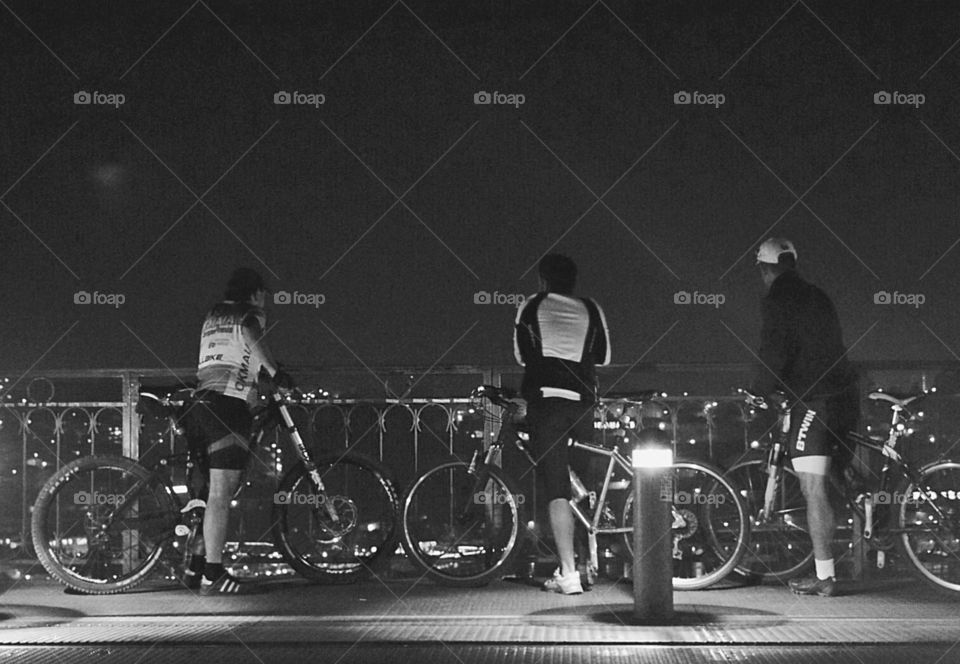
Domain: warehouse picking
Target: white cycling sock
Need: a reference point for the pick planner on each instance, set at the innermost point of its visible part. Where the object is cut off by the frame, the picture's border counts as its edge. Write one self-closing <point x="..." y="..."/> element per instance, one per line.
<point x="825" y="569"/>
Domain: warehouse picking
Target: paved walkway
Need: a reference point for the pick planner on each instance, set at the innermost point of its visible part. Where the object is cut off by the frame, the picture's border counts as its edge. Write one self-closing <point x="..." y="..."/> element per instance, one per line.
<point x="881" y="621"/>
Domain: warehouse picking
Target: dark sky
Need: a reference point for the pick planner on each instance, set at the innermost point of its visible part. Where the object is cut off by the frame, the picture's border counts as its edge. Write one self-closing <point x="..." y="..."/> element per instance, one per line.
<point x="105" y="200"/>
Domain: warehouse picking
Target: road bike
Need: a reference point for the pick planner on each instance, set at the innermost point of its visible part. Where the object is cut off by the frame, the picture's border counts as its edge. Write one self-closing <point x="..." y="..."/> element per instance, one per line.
<point x="911" y="508"/>
<point x="102" y="524"/>
<point x="464" y="521"/>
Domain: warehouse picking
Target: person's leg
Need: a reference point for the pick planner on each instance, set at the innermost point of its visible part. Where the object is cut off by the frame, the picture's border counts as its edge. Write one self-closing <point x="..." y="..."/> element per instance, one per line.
<point x="222" y="419"/>
<point x="223" y="484"/>
<point x="810" y="452"/>
<point x="563" y="526"/>
<point x="813" y="473"/>
<point x="820" y="519"/>
<point x="551" y="433"/>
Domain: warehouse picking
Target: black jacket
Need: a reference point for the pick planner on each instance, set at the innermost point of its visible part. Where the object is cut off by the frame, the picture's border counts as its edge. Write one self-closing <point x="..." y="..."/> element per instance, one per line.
<point x="801" y="343"/>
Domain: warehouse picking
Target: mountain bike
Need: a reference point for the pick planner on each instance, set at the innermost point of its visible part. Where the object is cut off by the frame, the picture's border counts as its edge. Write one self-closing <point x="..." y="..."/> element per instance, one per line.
<point x="464" y="521"/>
<point x="915" y="510"/>
<point x="101" y="524"/>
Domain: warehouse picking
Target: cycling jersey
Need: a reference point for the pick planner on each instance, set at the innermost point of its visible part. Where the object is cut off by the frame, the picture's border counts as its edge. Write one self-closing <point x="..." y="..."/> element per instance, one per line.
<point x="227" y="363"/>
<point x="559" y="339"/>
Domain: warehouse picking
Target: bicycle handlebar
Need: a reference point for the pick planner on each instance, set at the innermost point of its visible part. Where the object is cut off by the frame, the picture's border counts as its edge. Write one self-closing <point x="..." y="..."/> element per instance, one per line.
<point x="777" y="399"/>
<point x="501" y="396"/>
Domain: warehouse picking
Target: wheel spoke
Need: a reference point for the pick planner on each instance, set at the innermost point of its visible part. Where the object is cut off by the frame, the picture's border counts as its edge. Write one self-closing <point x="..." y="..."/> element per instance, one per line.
<point x="459" y="530"/>
<point x="780" y="546"/>
<point x="100" y="524"/>
<point x="929" y="523"/>
<point x="710" y="526"/>
<point x="318" y="546"/>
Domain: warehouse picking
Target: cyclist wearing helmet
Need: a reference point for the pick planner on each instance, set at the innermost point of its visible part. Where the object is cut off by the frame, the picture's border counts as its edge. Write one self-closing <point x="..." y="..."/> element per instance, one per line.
<point x="559" y="339"/>
<point x="232" y="354"/>
<point x="802" y="354"/>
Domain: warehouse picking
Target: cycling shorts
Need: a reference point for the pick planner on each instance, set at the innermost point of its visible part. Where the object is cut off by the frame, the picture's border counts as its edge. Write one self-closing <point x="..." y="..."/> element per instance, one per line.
<point x="222" y="427"/>
<point x="553" y="422"/>
<point x="818" y="427"/>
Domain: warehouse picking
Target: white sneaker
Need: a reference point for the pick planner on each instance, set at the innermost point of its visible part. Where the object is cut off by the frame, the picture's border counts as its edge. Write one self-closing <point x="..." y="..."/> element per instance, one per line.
<point x="567" y="584"/>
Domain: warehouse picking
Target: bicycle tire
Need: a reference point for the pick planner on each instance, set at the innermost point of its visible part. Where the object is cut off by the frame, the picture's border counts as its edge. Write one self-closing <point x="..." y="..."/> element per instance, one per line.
<point x="68" y="532"/>
<point x="365" y="499"/>
<point x="932" y="547"/>
<point x="716" y="530"/>
<point x="479" y="517"/>
<point x="781" y="548"/>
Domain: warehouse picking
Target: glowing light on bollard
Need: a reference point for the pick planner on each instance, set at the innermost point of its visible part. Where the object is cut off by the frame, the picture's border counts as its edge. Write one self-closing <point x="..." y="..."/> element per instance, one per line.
<point x="652" y="459"/>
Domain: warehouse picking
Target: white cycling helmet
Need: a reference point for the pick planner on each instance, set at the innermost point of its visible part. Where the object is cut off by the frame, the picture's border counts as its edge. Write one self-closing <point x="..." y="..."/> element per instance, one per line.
<point x="771" y="249"/>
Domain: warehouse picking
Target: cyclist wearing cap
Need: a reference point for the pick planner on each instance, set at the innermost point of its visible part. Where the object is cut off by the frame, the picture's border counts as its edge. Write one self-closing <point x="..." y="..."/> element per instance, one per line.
<point x="802" y="353"/>
<point x="232" y="354"/>
<point x="559" y="339"/>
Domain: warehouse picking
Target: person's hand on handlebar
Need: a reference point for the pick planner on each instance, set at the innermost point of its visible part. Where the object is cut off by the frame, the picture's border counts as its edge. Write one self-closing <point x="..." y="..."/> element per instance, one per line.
<point x="283" y="381"/>
<point x="520" y="403"/>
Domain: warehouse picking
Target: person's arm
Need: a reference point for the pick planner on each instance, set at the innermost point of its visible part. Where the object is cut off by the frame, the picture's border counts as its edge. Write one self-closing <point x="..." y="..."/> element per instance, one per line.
<point x="522" y="336"/>
<point x="601" y="343"/>
<point x="775" y="346"/>
<point x="253" y="337"/>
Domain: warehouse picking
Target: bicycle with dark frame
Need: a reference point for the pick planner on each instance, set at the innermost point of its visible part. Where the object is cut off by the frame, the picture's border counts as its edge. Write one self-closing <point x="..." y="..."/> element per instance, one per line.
<point x="912" y="508"/>
<point x="102" y="524"/>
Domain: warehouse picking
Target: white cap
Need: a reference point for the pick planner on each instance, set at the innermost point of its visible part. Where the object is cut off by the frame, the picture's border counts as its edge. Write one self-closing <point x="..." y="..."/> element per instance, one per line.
<point x="771" y="249"/>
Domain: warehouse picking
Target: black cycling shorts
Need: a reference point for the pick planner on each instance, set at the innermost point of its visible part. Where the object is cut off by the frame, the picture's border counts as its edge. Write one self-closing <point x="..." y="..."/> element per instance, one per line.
<point x="222" y="425"/>
<point x="809" y="435"/>
<point x="819" y="427"/>
<point x="553" y="422"/>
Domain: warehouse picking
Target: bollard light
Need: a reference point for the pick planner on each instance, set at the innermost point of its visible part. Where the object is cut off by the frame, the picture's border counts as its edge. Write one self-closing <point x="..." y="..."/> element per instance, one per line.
<point x="653" y="448"/>
<point x="652" y="456"/>
<point x="652" y="459"/>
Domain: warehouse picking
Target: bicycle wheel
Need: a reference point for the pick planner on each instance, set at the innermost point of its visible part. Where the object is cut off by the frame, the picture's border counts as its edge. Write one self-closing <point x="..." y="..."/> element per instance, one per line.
<point x="361" y="531"/>
<point x="463" y="528"/>
<point x="101" y="523"/>
<point x="929" y="525"/>
<point x="780" y="548"/>
<point x="711" y="528"/>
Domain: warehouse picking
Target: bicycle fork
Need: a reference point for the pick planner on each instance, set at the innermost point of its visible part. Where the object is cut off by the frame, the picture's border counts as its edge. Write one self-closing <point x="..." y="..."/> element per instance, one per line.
<point x="308" y="463"/>
<point x="775" y="469"/>
<point x="774" y="476"/>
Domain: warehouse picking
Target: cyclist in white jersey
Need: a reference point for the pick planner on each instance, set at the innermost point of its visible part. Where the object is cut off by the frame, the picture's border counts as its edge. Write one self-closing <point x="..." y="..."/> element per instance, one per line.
<point x="559" y="339"/>
<point x="232" y="354"/>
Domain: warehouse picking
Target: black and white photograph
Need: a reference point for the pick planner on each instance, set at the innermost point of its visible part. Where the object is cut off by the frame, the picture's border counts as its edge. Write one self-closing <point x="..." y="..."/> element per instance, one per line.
<point x="480" y="331"/>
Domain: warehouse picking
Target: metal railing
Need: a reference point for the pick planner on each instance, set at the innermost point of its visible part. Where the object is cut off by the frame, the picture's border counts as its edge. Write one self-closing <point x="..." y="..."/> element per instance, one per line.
<point x="405" y="417"/>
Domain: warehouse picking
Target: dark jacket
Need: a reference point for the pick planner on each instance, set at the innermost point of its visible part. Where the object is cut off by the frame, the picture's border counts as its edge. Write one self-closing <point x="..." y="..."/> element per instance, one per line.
<point x="801" y="343"/>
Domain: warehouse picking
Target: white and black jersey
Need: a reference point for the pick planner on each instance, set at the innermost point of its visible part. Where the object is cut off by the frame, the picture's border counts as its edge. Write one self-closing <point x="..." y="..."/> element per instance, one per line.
<point x="227" y="364"/>
<point x="560" y="339"/>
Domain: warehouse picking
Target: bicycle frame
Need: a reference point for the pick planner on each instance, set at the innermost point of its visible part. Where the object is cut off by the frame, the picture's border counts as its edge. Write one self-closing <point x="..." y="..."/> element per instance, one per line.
<point x="616" y="459"/>
<point x="894" y="465"/>
<point x="776" y="456"/>
<point x="291" y="428"/>
<point x="892" y="459"/>
<point x="591" y="522"/>
<point x="509" y="430"/>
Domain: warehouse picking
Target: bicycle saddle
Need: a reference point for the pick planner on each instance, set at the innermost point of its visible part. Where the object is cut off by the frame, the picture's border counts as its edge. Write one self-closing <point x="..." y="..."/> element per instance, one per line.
<point x="902" y="400"/>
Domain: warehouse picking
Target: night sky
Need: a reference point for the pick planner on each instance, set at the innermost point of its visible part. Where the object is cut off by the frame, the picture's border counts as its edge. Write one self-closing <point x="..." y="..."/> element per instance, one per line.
<point x="389" y="206"/>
